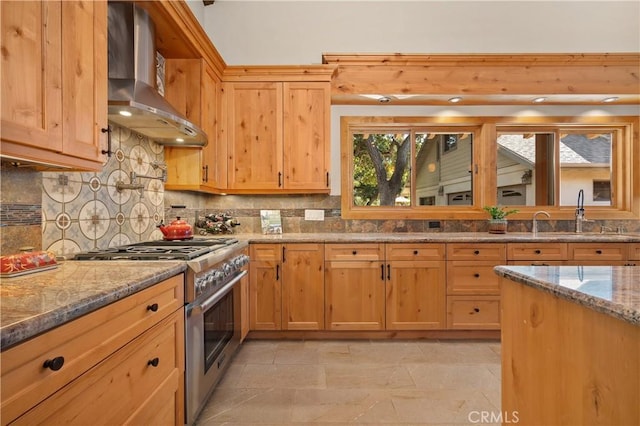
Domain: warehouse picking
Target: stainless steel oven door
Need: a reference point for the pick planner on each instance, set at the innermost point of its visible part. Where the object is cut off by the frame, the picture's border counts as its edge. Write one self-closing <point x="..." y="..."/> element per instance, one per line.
<point x="211" y="339"/>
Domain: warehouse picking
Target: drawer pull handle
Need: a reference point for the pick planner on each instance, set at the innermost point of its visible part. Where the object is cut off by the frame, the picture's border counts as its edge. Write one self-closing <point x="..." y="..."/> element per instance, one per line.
<point x="476" y="252"/>
<point x="415" y="252"/>
<point x="354" y="252"/>
<point x="154" y="362"/>
<point x="153" y="308"/>
<point x="598" y="251"/>
<point x="537" y="252"/>
<point x="477" y="275"/>
<point x="382" y="272"/>
<point x="54" y="364"/>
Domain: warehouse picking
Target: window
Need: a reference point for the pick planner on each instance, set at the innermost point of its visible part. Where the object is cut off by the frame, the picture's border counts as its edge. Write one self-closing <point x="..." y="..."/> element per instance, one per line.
<point x="450" y="167"/>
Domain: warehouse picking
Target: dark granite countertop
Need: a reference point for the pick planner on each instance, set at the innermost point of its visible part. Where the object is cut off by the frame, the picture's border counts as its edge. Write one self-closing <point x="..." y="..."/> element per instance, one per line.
<point x="441" y="237"/>
<point x="34" y="303"/>
<point x="612" y="290"/>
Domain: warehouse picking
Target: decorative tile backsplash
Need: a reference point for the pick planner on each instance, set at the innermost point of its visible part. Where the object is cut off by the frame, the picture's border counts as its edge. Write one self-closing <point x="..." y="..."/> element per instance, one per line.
<point x="83" y="211"/>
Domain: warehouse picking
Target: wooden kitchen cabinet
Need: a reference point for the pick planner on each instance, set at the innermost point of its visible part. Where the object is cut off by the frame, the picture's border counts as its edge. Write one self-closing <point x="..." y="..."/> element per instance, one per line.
<point x="192" y="87"/>
<point x="541" y="254"/>
<point x="354" y="286"/>
<point x="473" y="289"/>
<point x="415" y="286"/>
<point x="597" y="253"/>
<point x="278" y="136"/>
<point x="54" y="82"/>
<point x="634" y="254"/>
<point x="107" y="373"/>
<point x="287" y="286"/>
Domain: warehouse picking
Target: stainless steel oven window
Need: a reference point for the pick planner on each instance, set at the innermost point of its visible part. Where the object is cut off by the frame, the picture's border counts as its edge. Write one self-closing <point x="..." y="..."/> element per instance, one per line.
<point x="218" y="329"/>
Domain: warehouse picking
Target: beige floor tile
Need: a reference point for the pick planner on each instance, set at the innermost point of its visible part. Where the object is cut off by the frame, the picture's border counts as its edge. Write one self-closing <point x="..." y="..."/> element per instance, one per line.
<point x="357" y="382"/>
<point x="368" y="376"/>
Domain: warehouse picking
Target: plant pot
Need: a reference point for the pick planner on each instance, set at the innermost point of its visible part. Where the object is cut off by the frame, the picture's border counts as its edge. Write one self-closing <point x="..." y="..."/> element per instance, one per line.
<point x="497" y="226"/>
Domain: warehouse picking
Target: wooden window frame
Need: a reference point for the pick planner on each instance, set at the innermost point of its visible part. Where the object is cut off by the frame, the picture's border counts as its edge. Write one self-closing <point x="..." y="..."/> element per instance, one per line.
<point x="625" y="159"/>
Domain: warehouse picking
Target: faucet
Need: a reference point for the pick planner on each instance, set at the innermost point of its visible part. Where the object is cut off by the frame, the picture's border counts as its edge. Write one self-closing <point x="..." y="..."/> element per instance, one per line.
<point x="580" y="212"/>
<point x="534" y="226"/>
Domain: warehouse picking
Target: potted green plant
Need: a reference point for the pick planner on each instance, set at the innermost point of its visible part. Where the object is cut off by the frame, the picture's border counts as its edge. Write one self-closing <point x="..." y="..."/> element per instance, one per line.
<point x="498" y="221"/>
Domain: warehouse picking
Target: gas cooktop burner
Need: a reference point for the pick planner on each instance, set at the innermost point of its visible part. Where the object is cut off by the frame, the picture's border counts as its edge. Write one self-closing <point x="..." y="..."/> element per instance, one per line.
<point x="159" y="250"/>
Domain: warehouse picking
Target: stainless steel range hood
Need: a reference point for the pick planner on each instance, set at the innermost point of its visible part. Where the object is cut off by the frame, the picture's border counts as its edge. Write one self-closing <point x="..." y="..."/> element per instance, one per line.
<point x="134" y="102"/>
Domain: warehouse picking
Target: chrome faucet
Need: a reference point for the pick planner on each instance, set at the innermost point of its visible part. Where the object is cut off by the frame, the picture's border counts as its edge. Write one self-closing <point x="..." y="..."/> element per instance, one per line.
<point x="580" y="219"/>
<point x="534" y="226"/>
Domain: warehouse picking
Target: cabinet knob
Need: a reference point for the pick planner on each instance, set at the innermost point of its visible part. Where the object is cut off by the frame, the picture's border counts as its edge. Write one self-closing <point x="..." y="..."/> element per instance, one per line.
<point x="153" y="308"/>
<point x="354" y="252"/>
<point x="476" y="310"/>
<point x="154" y="362"/>
<point x="598" y="251"/>
<point x="477" y="275"/>
<point x="415" y="252"/>
<point x="537" y="252"/>
<point x="476" y="252"/>
<point x="54" y="364"/>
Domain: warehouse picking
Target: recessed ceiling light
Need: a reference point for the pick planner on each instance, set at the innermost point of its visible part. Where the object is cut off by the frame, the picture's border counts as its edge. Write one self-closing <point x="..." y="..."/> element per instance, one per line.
<point x="455" y="100"/>
<point x="125" y="113"/>
<point x="179" y="140"/>
<point x="540" y="99"/>
<point x="610" y="99"/>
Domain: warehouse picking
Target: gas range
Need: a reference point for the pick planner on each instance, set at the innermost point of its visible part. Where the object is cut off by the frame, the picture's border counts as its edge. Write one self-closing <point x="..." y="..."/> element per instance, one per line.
<point x="160" y="250"/>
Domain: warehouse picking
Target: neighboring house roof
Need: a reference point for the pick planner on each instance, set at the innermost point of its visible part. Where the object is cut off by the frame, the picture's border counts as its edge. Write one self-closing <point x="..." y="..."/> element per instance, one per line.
<point x="574" y="149"/>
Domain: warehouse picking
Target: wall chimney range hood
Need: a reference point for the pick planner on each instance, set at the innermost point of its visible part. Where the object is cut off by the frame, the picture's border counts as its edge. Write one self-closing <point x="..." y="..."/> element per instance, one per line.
<point x="134" y="102"/>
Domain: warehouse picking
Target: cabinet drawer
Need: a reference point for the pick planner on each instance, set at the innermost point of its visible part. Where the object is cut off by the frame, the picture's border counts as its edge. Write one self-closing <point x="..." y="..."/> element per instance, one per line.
<point x="537" y="262"/>
<point x="82" y="343"/>
<point x="266" y="252"/>
<point x="401" y="251"/>
<point x="483" y="251"/>
<point x="356" y="251"/>
<point x="473" y="313"/>
<point x="465" y="277"/>
<point x="597" y="251"/>
<point x="634" y="251"/>
<point x="536" y="251"/>
<point x="116" y="388"/>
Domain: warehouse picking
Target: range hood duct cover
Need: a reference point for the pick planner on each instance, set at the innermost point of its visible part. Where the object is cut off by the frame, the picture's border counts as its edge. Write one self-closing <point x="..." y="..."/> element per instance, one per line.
<point x="132" y="76"/>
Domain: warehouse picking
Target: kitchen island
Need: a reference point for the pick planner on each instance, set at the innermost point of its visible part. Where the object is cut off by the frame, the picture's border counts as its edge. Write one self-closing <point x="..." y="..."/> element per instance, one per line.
<point x="570" y="344"/>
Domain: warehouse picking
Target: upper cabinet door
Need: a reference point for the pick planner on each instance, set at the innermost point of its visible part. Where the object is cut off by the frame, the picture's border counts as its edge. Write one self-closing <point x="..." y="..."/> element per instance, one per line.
<point x="54" y="82"/>
<point x="84" y="77"/>
<point x="31" y="73"/>
<point x="255" y="135"/>
<point x="307" y="109"/>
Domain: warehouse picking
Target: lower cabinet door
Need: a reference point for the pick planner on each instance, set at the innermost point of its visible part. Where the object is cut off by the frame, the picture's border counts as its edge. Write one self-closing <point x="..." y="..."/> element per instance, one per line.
<point x="141" y="382"/>
<point x="354" y="294"/>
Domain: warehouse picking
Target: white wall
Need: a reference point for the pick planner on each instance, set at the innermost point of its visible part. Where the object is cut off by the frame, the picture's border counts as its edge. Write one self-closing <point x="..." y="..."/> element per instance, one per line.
<point x="299" y="32"/>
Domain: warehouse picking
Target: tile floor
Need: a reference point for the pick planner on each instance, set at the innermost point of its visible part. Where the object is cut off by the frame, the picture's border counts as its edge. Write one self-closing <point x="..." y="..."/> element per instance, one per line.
<point x="365" y="382"/>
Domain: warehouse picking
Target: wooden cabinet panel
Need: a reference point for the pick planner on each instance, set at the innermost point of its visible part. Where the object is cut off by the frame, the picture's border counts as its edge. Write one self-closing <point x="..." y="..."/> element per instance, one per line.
<point x="476" y="251"/>
<point x="411" y="251"/>
<point x="634" y="252"/>
<point x="465" y="277"/>
<point x="537" y="262"/>
<point x="31" y="73"/>
<point x="355" y="295"/>
<point x="82" y="343"/>
<point x="120" y="385"/>
<point x="358" y="251"/>
<point x="54" y="83"/>
<point x="265" y="292"/>
<point x="306" y="135"/>
<point x="473" y="312"/>
<point x="537" y="251"/>
<point x="596" y="252"/>
<point x="303" y="287"/>
<point x="254" y="131"/>
<point x="266" y="252"/>
<point x="415" y="294"/>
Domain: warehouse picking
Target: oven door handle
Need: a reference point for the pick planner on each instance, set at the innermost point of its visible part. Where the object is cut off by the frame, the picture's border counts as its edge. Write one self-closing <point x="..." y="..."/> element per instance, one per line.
<point x="204" y="306"/>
